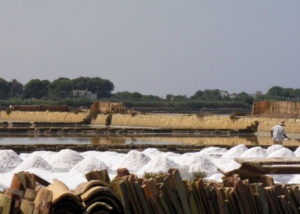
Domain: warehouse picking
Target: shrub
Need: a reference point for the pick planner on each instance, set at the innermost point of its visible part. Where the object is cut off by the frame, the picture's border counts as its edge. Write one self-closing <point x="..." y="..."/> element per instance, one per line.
<point x="149" y="175"/>
<point x="8" y="111"/>
<point x="199" y="174"/>
<point x="108" y="120"/>
<point x="76" y="111"/>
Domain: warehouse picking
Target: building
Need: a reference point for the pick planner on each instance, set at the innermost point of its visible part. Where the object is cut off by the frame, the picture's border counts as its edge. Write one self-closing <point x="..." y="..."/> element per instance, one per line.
<point x="84" y="94"/>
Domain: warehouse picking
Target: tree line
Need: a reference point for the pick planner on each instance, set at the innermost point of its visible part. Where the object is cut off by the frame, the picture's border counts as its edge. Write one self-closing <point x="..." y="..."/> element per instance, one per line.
<point x="60" y="91"/>
<point x="57" y="89"/>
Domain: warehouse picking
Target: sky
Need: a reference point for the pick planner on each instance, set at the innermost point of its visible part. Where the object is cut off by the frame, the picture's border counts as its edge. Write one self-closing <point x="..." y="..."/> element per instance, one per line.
<point x="154" y="47"/>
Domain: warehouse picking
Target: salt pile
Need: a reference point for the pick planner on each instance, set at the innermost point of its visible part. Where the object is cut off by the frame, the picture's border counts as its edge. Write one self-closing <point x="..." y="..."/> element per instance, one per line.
<point x="295" y="180"/>
<point x="159" y="164"/>
<point x="70" y="166"/>
<point x="297" y="152"/>
<point x="283" y="152"/>
<point x="213" y="151"/>
<point x="33" y="162"/>
<point x="89" y="164"/>
<point x="152" y="152"/>
<point x="109" y="158"/>
<point x="45" y="154"/>
<point x="8" y="160"/>
<point x="65" y="159"/>
<point x="274" y="148"/>
<point x="133" y="161"/>
<point x="235" y="151"/>
<point x="225" y="164"/>
<point x="202" y="164"/>
<point x="254" y="152"/>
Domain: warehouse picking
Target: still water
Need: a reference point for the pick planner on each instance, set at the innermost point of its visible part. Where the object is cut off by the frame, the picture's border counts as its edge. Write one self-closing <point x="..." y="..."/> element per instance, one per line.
<point x="150" y="140"/>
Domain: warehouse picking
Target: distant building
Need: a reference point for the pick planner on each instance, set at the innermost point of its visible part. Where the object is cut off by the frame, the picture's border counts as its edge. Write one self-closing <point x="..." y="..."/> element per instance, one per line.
<point x="224" y="93"/>
<point x="84" y="94"/>
<point x="258" y="93"/>
<point x="233" y="95"/>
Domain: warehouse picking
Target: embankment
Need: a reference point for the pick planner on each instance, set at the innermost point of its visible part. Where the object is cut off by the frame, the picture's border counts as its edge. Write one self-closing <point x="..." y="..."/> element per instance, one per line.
<point x="45" y="116"/>
<point x="192" y="121"/>
<point x="163" y="121"/>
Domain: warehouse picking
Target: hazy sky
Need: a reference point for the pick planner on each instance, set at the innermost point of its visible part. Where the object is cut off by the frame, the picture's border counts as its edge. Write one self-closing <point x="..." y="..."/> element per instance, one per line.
<point x="155" y="46"/>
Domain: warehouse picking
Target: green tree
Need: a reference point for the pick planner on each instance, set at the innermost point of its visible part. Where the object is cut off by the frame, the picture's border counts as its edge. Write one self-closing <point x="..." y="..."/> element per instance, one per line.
<point x="97" y="85"/>
<point x="60" y="88"/>
<point x="127" y="96"/>
<point x="197" y="95"/>
<point x="211" y="95"/>
<point x="16" y="88"/>
<point x="275" y="91"/>
<point x="4" y="89"/>
<point x="36" y="89"/>
<point x="244" y="97"/>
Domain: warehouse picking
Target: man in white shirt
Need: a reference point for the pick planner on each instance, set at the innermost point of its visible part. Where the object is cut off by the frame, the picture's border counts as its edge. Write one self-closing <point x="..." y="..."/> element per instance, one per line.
<point x="278" y="133"/>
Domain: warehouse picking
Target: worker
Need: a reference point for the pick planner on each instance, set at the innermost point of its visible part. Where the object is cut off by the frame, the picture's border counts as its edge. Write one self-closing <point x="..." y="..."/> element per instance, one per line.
<point x="278" y="133"/>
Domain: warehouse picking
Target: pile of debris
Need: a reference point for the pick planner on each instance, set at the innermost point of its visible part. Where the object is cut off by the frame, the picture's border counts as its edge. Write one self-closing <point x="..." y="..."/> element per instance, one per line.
<point x="161" y="193"/>
<point x="30" y="194"/>
<point x="108" y="107"/>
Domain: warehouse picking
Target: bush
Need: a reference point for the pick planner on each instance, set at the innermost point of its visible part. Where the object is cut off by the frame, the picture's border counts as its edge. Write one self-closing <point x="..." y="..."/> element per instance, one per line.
<point x="8" y="111"/>
<point x="76" y="111"/>
<point x="108" y="120"/>
<point x="199" y="174"/>
<point x="149" y="175"/>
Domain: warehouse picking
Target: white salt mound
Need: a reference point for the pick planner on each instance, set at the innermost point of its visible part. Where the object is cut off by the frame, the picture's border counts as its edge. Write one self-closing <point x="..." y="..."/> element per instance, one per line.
<point x="158" y="164"/>
<point x="45" y="154"/>
<point x="283" y="152"/>
<point x="152" y="152"/>
<point x="225" y="164"/>
<point x="213" y="151"/>
<point x="235" y="151"/>
<point x="133" y="161"/>
<point x="274" y="148"/>
<point x="89" y="164"/>
<point x="215" y="177"/>
<point x="297" y="152"/>
<point x="9" y="160"/>
<point x="65" y="159"/>
<point x="109" y="158"/>
<point x="2" y="187"/>
<point x="33" y="162"/>
<point x="254" y="152"/>
<point x="294" y="180"/>
<point x="202" y="164"/>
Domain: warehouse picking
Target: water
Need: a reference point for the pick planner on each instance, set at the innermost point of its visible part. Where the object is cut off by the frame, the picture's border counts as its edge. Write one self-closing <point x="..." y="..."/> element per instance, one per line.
<point x="149" y="140"/>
